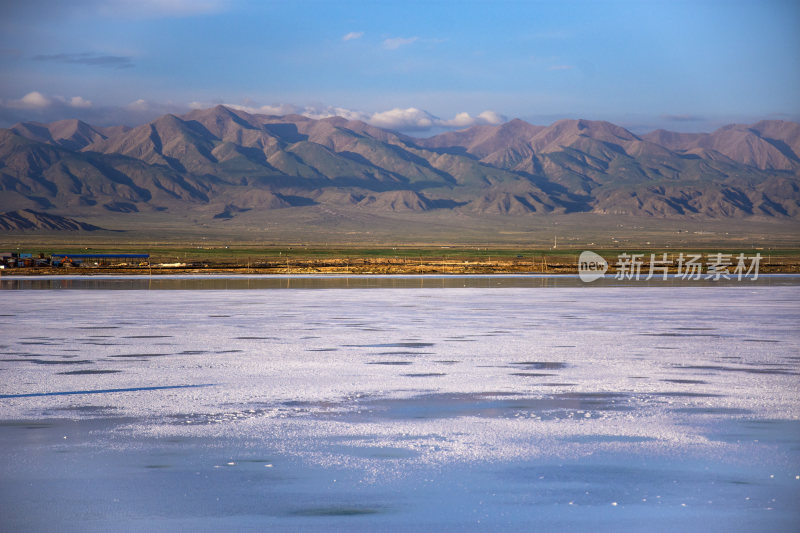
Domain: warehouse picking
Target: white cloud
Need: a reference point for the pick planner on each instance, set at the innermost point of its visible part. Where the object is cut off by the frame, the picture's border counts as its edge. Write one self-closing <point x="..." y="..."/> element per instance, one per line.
<point x="408" y="119"/>
<point x="138" y="105"/>
<point x="330" y="111"/>
<point x="490" y="117"/>
<point x="77" y="101"/>
<point x="278" y="109"/>
<point x="465" y="120"/>
<point x="461" y="120"/>
<point x="396" y="42"/>
<point x="32" y="100"/>
<point x="315" y="112"/>
<point x="403" y="119"/>
<point x="562" y="67"/>
<point x="413" y="119"/>
<point x="50" y="108"/>
<point x="353" y="35"/>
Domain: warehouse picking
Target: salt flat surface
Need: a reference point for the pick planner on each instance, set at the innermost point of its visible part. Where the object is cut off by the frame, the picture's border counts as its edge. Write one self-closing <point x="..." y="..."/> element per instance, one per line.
<point x="490" y="391"/>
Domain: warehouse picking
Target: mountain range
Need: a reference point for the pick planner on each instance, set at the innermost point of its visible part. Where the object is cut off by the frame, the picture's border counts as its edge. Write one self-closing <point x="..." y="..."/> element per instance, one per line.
<point x="223" y="162"/>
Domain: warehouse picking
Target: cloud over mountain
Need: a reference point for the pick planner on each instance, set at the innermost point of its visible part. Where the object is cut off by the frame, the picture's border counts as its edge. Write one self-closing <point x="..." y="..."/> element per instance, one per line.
<point x="35" y="100"/>
<point x="410" y="119"/>
<point x="32" y="100"/>
<point x="416" y="120"/>
<point x="43" y="107"/>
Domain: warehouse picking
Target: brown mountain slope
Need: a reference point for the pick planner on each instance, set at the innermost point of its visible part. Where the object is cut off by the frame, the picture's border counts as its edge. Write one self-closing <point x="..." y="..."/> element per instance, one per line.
<point x="767" y="145"/>
<point x="482" y="141"/>
<point x="167" y="141"/>
<point x="27" y="219"/>
<point x="505" y="203"/>
<point x="225" y="162"/>
<point x="70" y="134"/>
<point x="228" y="144"/>
<point x="50" y="176"/>
<point x="396" y="201"/>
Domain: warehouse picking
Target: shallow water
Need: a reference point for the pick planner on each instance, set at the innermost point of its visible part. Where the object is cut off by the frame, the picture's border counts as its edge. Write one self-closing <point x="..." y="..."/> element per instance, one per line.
<point x="668" y="407"/>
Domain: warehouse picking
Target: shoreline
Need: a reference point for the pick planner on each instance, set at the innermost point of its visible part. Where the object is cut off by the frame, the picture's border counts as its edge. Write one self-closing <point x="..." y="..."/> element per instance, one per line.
<point x="323" y="271"/>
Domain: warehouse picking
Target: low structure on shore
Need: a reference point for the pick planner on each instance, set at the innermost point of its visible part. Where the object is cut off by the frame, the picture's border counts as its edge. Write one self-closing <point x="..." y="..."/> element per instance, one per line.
<point x="27" y="260"/>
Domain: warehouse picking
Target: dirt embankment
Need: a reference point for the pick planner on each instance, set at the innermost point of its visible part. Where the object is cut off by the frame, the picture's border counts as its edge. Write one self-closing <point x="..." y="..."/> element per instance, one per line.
<point x="377" y="266"/>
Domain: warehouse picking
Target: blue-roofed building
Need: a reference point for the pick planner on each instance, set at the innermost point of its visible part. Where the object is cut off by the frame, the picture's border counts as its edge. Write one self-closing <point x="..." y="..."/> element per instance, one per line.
<point x="77" y="259"/>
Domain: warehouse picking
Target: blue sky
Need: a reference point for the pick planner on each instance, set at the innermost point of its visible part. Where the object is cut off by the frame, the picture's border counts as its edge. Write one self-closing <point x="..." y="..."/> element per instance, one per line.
<point x="415" y="66"/>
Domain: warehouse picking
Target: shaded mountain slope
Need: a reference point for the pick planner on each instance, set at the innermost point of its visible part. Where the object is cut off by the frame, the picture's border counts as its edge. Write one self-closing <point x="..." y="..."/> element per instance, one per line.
<point x="225" y="161"/>
<point x="27" y="219"/>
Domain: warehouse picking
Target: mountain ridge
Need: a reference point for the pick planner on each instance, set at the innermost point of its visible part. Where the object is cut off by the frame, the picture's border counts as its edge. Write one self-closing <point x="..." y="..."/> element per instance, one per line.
<point x="223" y="161"/>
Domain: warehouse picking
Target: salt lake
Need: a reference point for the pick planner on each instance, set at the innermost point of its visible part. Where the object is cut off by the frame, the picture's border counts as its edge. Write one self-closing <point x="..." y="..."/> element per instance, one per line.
<point x="449" y="403"/>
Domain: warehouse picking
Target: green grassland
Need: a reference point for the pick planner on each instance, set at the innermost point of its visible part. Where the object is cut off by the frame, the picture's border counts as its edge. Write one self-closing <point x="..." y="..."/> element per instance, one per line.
<point x="321" y="234"/>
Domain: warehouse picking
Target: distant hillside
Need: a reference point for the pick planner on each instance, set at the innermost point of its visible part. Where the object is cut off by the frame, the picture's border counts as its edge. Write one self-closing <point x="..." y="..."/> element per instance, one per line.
<point x="27" y="219"/>
<point x="223" y="163"/>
